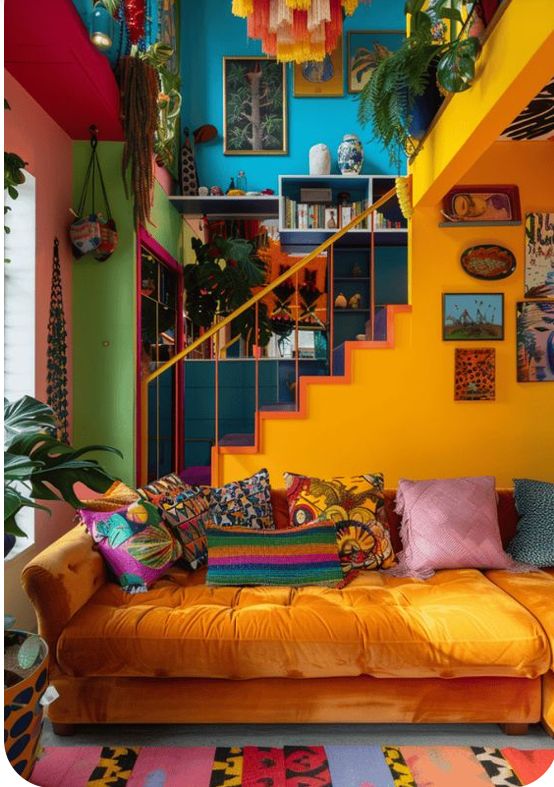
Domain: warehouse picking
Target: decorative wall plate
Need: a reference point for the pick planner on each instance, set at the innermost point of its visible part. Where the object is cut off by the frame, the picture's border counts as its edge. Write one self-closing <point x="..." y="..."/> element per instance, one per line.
<point x="488" y="262"/>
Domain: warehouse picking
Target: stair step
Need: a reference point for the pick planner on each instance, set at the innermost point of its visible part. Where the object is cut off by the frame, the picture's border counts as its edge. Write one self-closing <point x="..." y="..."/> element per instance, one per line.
<point x="237" y="439"/>
<point x="279" y="407"/>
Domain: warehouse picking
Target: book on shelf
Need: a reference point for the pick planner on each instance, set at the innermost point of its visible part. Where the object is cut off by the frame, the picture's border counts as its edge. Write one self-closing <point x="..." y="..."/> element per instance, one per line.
<point x="319" y="215"/>
<point x="383" y="223"/>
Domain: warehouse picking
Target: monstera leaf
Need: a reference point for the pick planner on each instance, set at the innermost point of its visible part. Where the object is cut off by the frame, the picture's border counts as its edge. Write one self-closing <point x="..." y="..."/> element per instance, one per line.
<point x="38" y="466"/>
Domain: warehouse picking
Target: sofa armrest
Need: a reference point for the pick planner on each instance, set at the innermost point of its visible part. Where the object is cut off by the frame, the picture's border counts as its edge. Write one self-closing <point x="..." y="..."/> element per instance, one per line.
<point x="61" y="579"/>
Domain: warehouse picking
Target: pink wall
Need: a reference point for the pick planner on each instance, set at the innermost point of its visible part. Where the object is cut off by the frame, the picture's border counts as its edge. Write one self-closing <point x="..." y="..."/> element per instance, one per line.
<point x="34" y="136"/>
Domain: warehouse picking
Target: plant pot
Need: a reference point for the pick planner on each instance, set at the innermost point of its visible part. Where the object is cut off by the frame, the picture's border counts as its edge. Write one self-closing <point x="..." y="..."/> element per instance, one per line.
<point x="23" y="713"/>
<point x="426" y="106"/>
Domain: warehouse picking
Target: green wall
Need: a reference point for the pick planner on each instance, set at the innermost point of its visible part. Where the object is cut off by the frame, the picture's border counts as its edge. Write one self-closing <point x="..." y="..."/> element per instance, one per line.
<point x="104" y="317"/>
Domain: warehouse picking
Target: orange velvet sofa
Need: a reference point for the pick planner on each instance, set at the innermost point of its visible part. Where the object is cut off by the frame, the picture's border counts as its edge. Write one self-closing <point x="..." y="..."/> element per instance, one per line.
<point x="462" y="646"/>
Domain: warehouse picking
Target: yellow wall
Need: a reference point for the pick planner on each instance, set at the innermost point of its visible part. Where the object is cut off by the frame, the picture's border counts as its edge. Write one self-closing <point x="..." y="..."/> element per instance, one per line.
<point x="399" y="416"/>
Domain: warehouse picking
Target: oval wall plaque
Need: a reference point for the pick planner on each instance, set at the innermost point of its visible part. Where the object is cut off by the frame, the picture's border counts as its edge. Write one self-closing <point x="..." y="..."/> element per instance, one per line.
<point x="489" y="262"/>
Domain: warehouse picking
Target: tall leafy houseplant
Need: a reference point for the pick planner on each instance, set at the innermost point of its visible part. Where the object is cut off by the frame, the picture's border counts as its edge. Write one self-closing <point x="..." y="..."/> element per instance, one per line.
<point x="439" y="48"/>
<point x="223" y="278"/>
<point x="36" y="466"/>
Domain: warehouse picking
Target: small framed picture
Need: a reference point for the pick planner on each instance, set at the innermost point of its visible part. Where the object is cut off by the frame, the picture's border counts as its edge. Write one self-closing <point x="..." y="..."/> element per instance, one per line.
<point x="472" y="316"/>
<point x="345" y="215"/>
<point x="323" y="79"/>
<point x="481" y="205"/>
<point x="254" y="107"/>
<point x="539" y="255"/>
<point x="535" y="342"/>
<point x="364" y="46"/>
<point x="331" y="218"/>
<point x="474" y="375"/>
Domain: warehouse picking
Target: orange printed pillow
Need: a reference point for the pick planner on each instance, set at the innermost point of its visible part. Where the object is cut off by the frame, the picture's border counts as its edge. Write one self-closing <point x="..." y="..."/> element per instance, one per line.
<point x="356" y="505"/>
<point x="117" y="496"/>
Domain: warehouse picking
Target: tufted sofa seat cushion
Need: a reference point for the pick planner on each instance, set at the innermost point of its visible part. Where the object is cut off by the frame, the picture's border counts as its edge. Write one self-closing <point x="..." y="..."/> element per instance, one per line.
<point x="456" y="624"/>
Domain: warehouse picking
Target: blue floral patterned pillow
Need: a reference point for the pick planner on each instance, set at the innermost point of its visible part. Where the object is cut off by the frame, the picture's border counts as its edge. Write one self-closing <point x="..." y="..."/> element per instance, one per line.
<point x="245" y="503"/>
<point x="534" y="541"/>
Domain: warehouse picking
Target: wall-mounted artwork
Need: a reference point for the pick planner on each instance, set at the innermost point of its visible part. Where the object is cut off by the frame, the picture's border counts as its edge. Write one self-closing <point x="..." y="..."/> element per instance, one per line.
<point x="488" y="262"/>
<point x="535" y="342"/>
<point x="539" y="255"/>
<point x="474" y="375"/>
<point x="254" y="106"/>
<point x="364" y="46"/>
<point x="481" y="205"/>
<point x="323" y="79"/>
<point x="472" y="316"/>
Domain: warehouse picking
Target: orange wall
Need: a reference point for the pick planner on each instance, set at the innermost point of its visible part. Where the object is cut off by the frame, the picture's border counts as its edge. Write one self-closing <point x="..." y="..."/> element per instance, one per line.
<point x="33" y="135"/>
<point x="399" y="415"/>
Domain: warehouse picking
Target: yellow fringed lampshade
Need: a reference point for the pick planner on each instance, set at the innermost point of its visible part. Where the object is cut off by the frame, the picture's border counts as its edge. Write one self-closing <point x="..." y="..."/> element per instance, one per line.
<point x="295" y="30"/>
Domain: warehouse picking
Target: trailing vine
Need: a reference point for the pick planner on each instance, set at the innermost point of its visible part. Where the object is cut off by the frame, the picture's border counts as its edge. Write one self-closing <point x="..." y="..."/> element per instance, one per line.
<point x="14" y="176"/>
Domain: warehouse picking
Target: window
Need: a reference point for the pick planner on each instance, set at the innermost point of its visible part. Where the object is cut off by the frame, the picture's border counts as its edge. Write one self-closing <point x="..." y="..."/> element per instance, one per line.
<point x="19" y="314"/>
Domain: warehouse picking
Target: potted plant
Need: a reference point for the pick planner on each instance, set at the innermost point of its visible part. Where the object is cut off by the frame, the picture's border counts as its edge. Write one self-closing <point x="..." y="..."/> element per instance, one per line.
<point x="36" y="466"/>
<point x="223" y="277"/>
<point x="407" y="86"/>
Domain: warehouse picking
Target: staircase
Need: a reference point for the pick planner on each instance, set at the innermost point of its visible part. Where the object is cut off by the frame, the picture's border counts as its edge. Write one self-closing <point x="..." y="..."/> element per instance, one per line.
<point x="239" y="401"/>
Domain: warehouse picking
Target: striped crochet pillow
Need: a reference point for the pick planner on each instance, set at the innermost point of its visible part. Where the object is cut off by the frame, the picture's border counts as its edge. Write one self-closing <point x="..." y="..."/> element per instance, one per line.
<point x="304" y="555"/>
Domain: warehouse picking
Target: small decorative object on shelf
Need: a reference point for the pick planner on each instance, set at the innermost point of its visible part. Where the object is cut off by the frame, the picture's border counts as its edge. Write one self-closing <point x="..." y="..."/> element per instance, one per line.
<point x="357" y="270"/>
<point x="350" y="155"/>
<point x="340" y="301"/>
<point x="539" y="255"/>
<point x="320" y="159"/>
<point x="242" y="183"/>
<point x="475" y="372"/>
<point x="189" y="175"/>
<point x="231" y="186"/>
<point x="481" y="205"/>
<point x="535" y="342"/>
<point x="216" y="191"/>
<point x="331" y="219"/>
<point x="203" y="191"/>
<point x="355" y="301"/>
<point x="488" y="262"/>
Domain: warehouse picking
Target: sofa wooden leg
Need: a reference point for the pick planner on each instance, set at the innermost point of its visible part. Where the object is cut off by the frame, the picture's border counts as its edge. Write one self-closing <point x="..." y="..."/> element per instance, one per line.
<point x="547" y="728"/>
<point x="63" y="729"/>
<point x="515" y="729"/>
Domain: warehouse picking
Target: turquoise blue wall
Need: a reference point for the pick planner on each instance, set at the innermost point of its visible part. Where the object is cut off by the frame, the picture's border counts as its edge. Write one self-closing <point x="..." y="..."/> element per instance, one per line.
<point x="208" y="32"/>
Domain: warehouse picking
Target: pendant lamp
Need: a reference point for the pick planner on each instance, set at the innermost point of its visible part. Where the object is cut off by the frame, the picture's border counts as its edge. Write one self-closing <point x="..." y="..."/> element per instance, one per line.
<point x="101" y="26"/>
<point x="295" y="30"/>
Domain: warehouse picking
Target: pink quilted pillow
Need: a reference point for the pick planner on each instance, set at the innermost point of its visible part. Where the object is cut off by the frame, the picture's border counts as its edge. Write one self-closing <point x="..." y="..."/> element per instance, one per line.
<point x="449" y="523"/>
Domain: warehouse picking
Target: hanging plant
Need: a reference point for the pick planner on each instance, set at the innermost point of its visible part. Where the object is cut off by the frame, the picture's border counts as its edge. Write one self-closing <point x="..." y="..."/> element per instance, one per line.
<point x="139" y="115"/>
<point x="14" y="176"/>
<point x="169" y="101"/>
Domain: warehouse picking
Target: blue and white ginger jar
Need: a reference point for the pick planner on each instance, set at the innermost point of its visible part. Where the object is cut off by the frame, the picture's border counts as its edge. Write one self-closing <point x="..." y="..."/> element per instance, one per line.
<point x="350" y="155"/>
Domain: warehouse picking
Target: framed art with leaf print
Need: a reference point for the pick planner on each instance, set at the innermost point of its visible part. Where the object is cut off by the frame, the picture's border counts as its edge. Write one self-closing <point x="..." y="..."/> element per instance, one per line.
<point x="363" y="49"/>
<point x="254" y="107"/>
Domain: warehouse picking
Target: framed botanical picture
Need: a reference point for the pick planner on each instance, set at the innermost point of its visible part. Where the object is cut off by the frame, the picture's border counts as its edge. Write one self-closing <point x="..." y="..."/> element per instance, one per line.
<point x="474" y="375"/>
<point x="539" y="255"/>
<point x="472" y="316"/>
<point x="363" y="46"/>
<point x="535" y="341"/>
<point x="254" y="107"/>
<point x="323" y="79"/>
<point x="481" y="205"/>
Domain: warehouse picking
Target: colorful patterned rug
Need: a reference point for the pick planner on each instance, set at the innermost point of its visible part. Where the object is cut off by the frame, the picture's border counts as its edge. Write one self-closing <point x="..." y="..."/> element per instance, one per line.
<point x="291" y="766"/>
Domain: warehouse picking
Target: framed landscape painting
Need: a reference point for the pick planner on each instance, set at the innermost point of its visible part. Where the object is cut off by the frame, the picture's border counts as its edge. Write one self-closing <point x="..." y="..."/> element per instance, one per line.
<point x="363" y="47"/>
<point x="535" y="342"/>
<point x="323" y="79"/>
<point x="539" y="255"/>
<point x="472" y="316"/>
<point x="254" y="107"/>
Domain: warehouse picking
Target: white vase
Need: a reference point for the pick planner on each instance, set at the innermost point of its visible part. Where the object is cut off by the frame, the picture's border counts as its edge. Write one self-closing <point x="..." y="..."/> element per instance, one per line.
<point x="320" y="160"/>
<point x="350" y="155"/>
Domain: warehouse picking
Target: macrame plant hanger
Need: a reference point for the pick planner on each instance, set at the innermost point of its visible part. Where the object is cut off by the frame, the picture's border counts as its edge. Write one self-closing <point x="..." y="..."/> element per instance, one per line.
<point x="56" y="389"/>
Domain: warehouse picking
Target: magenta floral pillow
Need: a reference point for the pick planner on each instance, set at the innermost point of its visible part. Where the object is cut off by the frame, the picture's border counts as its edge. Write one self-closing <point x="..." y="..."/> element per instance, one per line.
<point x="449" y="523"/>
<point x="136" y="544"/>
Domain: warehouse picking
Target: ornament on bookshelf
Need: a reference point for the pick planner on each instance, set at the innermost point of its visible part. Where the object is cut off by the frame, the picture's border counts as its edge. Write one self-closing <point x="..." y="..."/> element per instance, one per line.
<point x="203" y="191"/>
<point x="355" y="301"/>
<point x="350" y="155"/>
<point x="231" y="186"/>
<point x="242" y="183"/>
<point x="357" y="270"/>
<point x="343" y="198"/>
<point x="216" y="191"/>
<point x="320" y="159"/>
<point x="340" y="301"/>
<point x="331" y="218"/>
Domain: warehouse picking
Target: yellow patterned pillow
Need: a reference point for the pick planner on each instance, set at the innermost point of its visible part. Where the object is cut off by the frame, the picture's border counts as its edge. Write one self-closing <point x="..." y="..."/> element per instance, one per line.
<point x="356" y="505"/>
<point x="117" y="496"/>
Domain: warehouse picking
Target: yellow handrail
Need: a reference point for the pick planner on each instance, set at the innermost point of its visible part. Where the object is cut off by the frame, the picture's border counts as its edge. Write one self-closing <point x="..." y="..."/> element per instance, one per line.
<point x="298" y="266"/>
<point x="294" y="269"/>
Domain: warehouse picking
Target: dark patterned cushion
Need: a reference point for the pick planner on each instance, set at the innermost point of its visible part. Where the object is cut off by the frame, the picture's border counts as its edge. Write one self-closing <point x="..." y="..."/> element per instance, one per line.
<point x="245" y="503"/>
<point x="534" y="541"/>
<point x="188" y="514"/>
<point x="169" y="484"/>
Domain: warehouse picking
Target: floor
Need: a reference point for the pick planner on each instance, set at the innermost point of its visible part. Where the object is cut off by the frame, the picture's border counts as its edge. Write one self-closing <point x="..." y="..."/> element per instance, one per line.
<point x="299" y="734"/>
